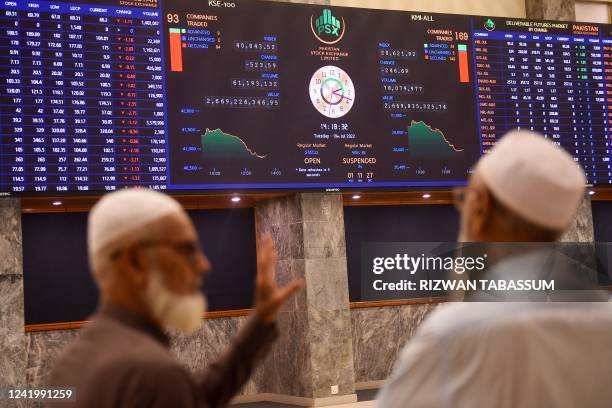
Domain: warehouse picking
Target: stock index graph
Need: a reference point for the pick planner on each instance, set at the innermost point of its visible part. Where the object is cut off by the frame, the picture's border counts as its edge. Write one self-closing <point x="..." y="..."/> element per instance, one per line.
<point x="330" y="100"/>
<point x="233" y="95"/>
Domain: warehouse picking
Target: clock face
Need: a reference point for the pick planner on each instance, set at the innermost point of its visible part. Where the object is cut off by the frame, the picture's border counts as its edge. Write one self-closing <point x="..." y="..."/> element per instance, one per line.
<point x="332" y="92"/>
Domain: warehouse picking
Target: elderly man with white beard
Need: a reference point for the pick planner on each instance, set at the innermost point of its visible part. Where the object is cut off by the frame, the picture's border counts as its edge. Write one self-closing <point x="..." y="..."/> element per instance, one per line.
<point x="147" y="262"/>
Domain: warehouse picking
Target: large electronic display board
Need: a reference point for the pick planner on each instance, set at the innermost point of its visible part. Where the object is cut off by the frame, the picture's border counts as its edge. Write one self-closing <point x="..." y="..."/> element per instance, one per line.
<point x="209" y="95"/>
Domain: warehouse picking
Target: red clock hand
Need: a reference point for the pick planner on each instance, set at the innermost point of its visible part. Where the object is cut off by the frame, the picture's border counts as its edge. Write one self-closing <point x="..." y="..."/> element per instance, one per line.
<point x="341" y="96"/>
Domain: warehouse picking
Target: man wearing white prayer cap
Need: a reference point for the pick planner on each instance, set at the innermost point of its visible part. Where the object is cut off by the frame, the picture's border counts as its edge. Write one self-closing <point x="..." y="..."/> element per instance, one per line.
<point x="146" y="260"/>
<point x="517" y="354"/>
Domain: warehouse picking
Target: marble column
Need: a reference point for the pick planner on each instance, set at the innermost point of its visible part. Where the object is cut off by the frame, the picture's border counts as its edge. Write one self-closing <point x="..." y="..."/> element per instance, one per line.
<point x="315" y="348"/>
<point x="12" y="336"/>
<point x="315" y="351"/>
<point x="581" y="228"/>
<point x="561" y="10"/>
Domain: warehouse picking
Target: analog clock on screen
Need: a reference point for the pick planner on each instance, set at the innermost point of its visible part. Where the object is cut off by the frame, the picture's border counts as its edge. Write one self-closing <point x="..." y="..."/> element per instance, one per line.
<point x="332" y="91"/>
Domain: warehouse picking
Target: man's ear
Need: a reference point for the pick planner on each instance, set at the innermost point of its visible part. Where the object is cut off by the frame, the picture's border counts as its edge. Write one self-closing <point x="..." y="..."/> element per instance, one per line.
<point x="480" y="210"/>
<point x="134" y="257"/>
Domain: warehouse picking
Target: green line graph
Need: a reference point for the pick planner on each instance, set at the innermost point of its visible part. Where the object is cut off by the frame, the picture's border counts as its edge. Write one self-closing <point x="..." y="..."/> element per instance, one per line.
<point x="426" y="142"/>
<point x="218" y="145"/>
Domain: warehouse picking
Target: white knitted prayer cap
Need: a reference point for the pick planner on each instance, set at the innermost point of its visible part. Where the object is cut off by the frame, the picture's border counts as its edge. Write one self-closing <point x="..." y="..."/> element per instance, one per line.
<point x="122" y="212"/>
<point x="534" y="178"/>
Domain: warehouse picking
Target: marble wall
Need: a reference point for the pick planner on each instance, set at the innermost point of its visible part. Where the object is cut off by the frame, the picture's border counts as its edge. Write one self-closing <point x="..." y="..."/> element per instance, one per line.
<point x="561" y="10"/>
<point x="12" y="338"/>
<point x="195" y="351"/>
<point x="581" y="228"/>
<point x="42" y="350"/>
<point x="206" y="345"/>
<point x="10" y="237"/>
<point x="379" y="335"/>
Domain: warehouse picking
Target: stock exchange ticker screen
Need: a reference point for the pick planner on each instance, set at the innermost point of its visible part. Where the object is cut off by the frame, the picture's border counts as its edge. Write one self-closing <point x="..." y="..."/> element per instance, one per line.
<point x="233" y="95"/>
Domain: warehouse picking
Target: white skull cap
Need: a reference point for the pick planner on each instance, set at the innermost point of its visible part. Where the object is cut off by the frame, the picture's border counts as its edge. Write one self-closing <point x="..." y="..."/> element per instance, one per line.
<point x="123" y="212"/>
<point x="534" y="178"/>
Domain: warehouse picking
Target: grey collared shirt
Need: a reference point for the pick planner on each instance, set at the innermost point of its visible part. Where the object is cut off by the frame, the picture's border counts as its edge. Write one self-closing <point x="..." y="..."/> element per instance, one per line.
<point x="122" y="360"/>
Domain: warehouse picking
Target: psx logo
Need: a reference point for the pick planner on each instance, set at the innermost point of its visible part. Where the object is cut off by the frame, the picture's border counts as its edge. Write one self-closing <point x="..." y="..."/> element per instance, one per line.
<point x="327" y="28"/>
<point x="328" y="24"/>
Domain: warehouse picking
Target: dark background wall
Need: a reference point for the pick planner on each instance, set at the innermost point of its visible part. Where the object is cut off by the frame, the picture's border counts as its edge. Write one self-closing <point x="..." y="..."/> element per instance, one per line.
<point x="394" y="223"/>
<point x="59" y="288"/>
<point x="602" y="220"/>
<point x="58" y="285"/>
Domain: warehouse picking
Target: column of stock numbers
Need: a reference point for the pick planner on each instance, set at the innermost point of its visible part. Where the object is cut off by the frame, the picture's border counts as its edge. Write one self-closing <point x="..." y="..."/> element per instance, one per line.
<point x="81" y="90"/>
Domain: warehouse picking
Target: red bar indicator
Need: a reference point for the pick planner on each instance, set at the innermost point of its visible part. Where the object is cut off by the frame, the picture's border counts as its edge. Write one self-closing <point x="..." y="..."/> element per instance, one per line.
<point x="176" y="50"/>
<point x="464" y="70"/>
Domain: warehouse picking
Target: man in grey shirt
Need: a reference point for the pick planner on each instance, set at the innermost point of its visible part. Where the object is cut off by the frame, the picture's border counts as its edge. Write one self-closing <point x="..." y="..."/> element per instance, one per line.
<point x="147" y="262"/>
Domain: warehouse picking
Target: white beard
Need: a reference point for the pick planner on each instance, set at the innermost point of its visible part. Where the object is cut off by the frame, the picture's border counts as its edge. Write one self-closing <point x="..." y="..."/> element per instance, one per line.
<point x="175" y="312"/>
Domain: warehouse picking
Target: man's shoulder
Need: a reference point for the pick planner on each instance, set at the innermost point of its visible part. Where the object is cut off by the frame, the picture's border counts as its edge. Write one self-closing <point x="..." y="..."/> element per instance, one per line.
<point x="453" y="319"/>
<point x="129" y="377"/>
<point x="111" y="332"/>
<point x="461" y="347"/>
<point x="105" y="346"/>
